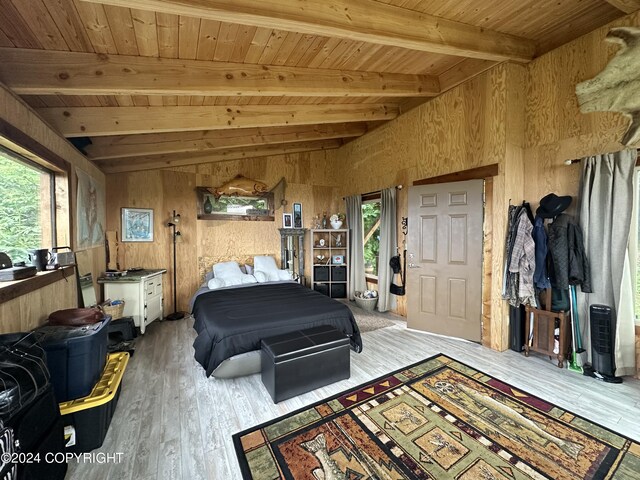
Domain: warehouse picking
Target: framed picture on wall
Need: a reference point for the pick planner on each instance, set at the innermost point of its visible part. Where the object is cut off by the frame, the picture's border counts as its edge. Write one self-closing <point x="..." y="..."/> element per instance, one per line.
<point x="137" y="225"/>
<point x="287" y="220"/>
<point x="297" y="215"/>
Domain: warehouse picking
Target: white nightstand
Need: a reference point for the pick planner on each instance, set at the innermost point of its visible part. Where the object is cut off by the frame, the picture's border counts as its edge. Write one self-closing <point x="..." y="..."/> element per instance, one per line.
<point x="142" y="293"/>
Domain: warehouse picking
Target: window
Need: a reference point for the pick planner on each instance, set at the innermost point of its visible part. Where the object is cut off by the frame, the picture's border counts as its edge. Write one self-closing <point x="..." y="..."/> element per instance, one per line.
<point x="27" y="212"/>
<point x="371" y="229"/>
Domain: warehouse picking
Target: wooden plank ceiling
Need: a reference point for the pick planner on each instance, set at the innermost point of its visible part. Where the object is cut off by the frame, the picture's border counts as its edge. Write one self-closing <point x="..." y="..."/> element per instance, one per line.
<point x="156" y="83"/>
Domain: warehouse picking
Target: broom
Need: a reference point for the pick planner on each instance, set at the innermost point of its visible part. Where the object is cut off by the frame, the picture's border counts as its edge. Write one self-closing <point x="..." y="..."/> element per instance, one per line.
<point x="577" y="356"/>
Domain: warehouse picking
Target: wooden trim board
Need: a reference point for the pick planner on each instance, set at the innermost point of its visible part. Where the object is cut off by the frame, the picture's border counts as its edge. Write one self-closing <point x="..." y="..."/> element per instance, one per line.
<point x="471" y="174"/>
<point x="17" y="288"/>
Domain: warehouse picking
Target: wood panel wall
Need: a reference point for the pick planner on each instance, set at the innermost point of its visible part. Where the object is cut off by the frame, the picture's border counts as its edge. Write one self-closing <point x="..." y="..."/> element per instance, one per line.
<point x="309" y="181"/>
<point x="462" y="129"/>
<point x="31" y="309"/>
<point x="555" y="128"/>
<point x="28" y="311"/>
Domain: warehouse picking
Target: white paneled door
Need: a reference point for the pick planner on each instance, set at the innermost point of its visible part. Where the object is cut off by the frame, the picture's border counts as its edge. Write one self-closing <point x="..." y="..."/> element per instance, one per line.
<point x="444" y="264"/>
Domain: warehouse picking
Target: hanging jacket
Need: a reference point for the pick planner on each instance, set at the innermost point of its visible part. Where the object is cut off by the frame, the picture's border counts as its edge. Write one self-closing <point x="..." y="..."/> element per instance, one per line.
<point x="570" y="263"/>
<point x="540" y="276"/>
<point x="523" y="260"/>
<point x="507" y="277"/>
<point x="579" y="270"/>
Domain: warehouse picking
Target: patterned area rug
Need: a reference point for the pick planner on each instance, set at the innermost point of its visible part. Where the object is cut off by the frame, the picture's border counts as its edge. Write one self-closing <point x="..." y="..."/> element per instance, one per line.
<point x="437" y="419"/>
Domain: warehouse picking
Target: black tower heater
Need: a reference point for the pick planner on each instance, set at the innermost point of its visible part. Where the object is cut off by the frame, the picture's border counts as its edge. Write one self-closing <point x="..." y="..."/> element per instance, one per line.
<point x="602" y="342"/>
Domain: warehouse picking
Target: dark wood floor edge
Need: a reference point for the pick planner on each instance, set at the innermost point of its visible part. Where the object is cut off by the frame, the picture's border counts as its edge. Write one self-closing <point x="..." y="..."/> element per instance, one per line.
<point x="471" y="174"/>
<point x="18" y="288"/>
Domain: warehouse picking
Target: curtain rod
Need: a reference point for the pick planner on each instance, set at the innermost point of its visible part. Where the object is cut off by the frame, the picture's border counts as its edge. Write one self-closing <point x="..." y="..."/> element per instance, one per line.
<point x="398" y="187"/>
<point x="578" y="160"/>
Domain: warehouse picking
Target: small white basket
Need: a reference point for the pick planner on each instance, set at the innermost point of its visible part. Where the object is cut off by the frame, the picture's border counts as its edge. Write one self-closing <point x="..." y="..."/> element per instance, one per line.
<point x="368" y="304"/>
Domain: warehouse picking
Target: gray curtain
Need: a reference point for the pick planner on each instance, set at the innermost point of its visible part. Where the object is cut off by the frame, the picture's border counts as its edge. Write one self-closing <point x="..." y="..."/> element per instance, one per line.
<point x="388" y="248"/>
<point x="356" y="248"/>
<point x="606" y="207"/>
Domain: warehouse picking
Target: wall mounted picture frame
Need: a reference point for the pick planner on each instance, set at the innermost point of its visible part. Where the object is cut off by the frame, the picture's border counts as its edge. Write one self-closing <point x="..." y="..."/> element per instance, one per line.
<point x="297" y="215"/>
<point x="287" y="220"/>
<point x="137" y="225"/>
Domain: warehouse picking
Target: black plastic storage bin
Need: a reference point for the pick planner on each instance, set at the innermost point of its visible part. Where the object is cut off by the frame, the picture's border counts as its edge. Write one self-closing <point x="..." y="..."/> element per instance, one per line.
<point x="339" y="274"/>
<point x="338" y="290"/>
<point x="50" y="448"/>
<point x="76" y="357"/>
<point x="323" y="288"/>
<point x="86" y="420"/>
<point x="320" y="273"/>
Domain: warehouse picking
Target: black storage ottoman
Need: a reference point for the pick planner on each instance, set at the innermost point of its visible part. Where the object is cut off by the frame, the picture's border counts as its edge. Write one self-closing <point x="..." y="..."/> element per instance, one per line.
<point x="301" y="361"/>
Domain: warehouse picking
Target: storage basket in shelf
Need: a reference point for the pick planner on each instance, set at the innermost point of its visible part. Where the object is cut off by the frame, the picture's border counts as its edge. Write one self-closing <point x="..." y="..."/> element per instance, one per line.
<point x="116" y="311"/>
<point x="368" y="304"/>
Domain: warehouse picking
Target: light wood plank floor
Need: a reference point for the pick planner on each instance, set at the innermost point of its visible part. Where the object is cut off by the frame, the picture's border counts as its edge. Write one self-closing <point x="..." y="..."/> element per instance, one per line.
<point x="172" y="422"/>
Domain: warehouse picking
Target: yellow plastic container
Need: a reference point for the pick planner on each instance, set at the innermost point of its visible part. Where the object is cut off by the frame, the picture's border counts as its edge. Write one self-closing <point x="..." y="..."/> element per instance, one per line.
<point x="87" y="419"/>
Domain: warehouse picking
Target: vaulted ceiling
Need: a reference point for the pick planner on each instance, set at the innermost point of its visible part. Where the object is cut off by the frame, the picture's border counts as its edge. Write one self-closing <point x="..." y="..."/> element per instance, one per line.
<point x="154" y="83"/>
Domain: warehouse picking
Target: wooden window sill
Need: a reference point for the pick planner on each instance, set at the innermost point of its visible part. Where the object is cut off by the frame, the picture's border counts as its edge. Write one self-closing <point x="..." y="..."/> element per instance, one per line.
<point x="17" y="288"/>
<point x="371" y="279"/>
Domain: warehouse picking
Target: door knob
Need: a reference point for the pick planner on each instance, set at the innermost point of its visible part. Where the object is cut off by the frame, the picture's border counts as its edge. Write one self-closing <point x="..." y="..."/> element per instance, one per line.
<point x="413" y="265"/>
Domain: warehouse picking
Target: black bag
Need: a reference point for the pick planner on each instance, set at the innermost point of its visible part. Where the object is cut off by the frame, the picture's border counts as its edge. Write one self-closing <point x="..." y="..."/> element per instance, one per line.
<point x="394" y="263"/>
<point x="23" y="372"/>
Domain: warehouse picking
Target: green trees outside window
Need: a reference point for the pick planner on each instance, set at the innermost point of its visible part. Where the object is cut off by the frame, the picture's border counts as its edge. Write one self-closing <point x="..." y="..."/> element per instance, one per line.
<point x="20" y="208"/>
<point x="371" y="229"/>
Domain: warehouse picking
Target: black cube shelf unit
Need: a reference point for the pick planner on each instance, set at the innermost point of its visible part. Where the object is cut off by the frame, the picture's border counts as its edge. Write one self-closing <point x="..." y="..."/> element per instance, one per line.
<point x="328" y="275"/>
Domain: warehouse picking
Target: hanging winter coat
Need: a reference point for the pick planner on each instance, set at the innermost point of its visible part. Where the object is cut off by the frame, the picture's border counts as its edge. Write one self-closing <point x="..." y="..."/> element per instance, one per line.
<point x="540" y="276"/>
<point x="570" y="263"/>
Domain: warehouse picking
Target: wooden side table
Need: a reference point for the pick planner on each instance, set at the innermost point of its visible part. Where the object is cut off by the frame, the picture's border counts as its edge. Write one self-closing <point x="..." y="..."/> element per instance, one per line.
<point x="540" y="338"/>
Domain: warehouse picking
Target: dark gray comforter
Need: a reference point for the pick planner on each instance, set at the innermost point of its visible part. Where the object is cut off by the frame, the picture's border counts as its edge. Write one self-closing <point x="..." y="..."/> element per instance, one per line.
<point x="234" y="321"/>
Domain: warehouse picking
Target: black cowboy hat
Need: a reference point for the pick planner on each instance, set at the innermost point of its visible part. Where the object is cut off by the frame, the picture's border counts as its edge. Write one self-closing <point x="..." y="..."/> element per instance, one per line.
<point x="552" y="205"/>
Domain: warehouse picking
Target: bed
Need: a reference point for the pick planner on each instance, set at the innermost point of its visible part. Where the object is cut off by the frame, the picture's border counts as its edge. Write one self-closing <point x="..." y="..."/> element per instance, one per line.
<point x="231" y="322"/>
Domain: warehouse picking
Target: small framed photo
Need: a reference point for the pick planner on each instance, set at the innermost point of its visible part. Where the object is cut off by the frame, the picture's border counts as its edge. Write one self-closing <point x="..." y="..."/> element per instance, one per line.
<point x="338" y="259"/>
<point x="287" y="220"/>
<point x="297" y="215"/>
<point x="137" y="225"/>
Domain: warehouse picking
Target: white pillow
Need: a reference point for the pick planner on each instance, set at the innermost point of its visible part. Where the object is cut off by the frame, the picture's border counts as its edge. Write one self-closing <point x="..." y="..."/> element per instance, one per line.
<point x="248" y="269"/>
<point x="260" y="277"/>
<point x="225" y="270"/>
<point x="264" y="264"/>
<point x="232" y="280"/>
<point x="284" y="275"/>
<point x="249" y="279"/>
<point x="215" y="283"/>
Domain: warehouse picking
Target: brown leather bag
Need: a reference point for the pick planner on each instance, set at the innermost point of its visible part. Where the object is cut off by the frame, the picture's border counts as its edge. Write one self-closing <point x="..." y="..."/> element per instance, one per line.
<point x="76" y="316"/>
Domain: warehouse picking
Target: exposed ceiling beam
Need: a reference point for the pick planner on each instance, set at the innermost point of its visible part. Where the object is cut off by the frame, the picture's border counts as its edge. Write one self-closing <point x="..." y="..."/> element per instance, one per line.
<point x="459" y="73"/>
<point x="165" y="161"/>
<point x="464" y="71"/>
<point x="99" y="121"/>
<point x="626" y="6"/>
<point x="359" y="20"/>
<point x="127" y="146"/>
<point x="46" y="72"/>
